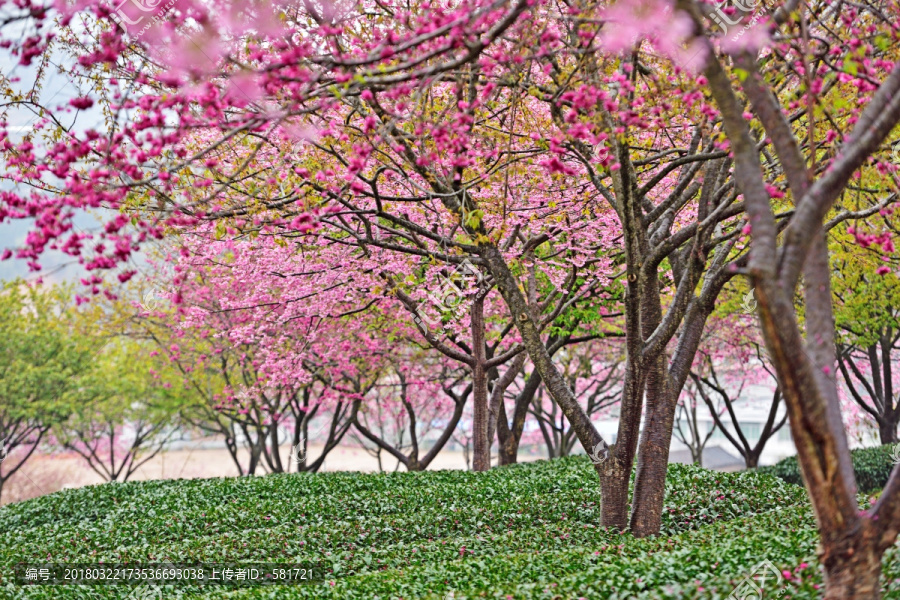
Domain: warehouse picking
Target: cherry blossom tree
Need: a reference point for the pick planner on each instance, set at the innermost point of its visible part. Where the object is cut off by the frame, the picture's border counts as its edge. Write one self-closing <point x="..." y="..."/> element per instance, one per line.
<point x="251" y="336"/>
<point x="476" y="128"/>
<point x="852" y="540"/>
<point x="868" y="322"/>
<point x="558" y="150"/>
<point x="418" y="397"/>
<point x="594" y="374"/>
<point x="159" y="89"/>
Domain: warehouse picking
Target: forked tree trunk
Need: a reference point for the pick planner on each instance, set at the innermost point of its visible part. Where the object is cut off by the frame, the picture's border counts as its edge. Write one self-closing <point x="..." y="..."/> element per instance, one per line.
<point x="508" y="437"/>
<point x="508" y="447"/>
<point x="508" y="452"/>
<point x="852" y="540"/>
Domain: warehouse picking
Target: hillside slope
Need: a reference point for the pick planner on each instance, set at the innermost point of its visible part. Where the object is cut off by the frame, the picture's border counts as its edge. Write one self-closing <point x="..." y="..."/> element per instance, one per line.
<point x="528" y="531"/>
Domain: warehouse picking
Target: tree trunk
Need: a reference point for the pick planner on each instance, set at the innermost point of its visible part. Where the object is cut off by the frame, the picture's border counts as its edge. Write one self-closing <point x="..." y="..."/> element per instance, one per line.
<point x="887" y="431"/>
<point x="650" y="484"/>
<point x="254" y="459"/>
<point x="509" y="451"/>
<point x="854" y="573"/>
<point x="653" y="458"/>
<point x="510" y="438"/>
<point x="277" y="465"/>
<point x="481" y="460"/>
<point x="852" y="540"/>
<point x="508" y="446"/>
<point x="556" y="385"/>
<point x="661" y="400"/>
<point x="614" y="480"/>
<point x="615" y="474"/>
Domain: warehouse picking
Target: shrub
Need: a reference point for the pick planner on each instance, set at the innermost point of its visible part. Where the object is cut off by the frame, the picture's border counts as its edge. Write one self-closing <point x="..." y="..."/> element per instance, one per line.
<point x="872" y="467"/>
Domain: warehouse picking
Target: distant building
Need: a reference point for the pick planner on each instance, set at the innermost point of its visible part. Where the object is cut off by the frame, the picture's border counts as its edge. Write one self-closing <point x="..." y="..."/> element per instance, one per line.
<point x="715" y="458"/>
<point x="751" y="412"/>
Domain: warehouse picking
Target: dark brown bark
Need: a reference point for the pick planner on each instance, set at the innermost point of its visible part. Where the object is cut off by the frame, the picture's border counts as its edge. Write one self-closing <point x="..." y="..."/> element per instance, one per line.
<point x="508" y="448"/>
<point x="653" y="457"/>
<point x="614" y="487"/>
<point x="498" y="424"/>
<point x="483" y="362"/>
<point x="665" y="379"/>
<point x="614" y="474"/>
<point x="648" y="240"/>
<point x="887" y="432"/>
<point x="616" y="470"/>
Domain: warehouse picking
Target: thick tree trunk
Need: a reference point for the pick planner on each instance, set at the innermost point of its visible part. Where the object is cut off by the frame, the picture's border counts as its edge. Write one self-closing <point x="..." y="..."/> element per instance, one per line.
<point x="653" y="459"/>
<point x="852" y="540"/>
<point x="481" y="460"/>
<point x="509" y="451"/>
<point x="887" y="431"/>
<point x="853" y="573"/>
<point x="664" y="382"/>
<point x="615" y="472"/>
<point x="615" y="478"/>
<point x="659" y="408"/>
